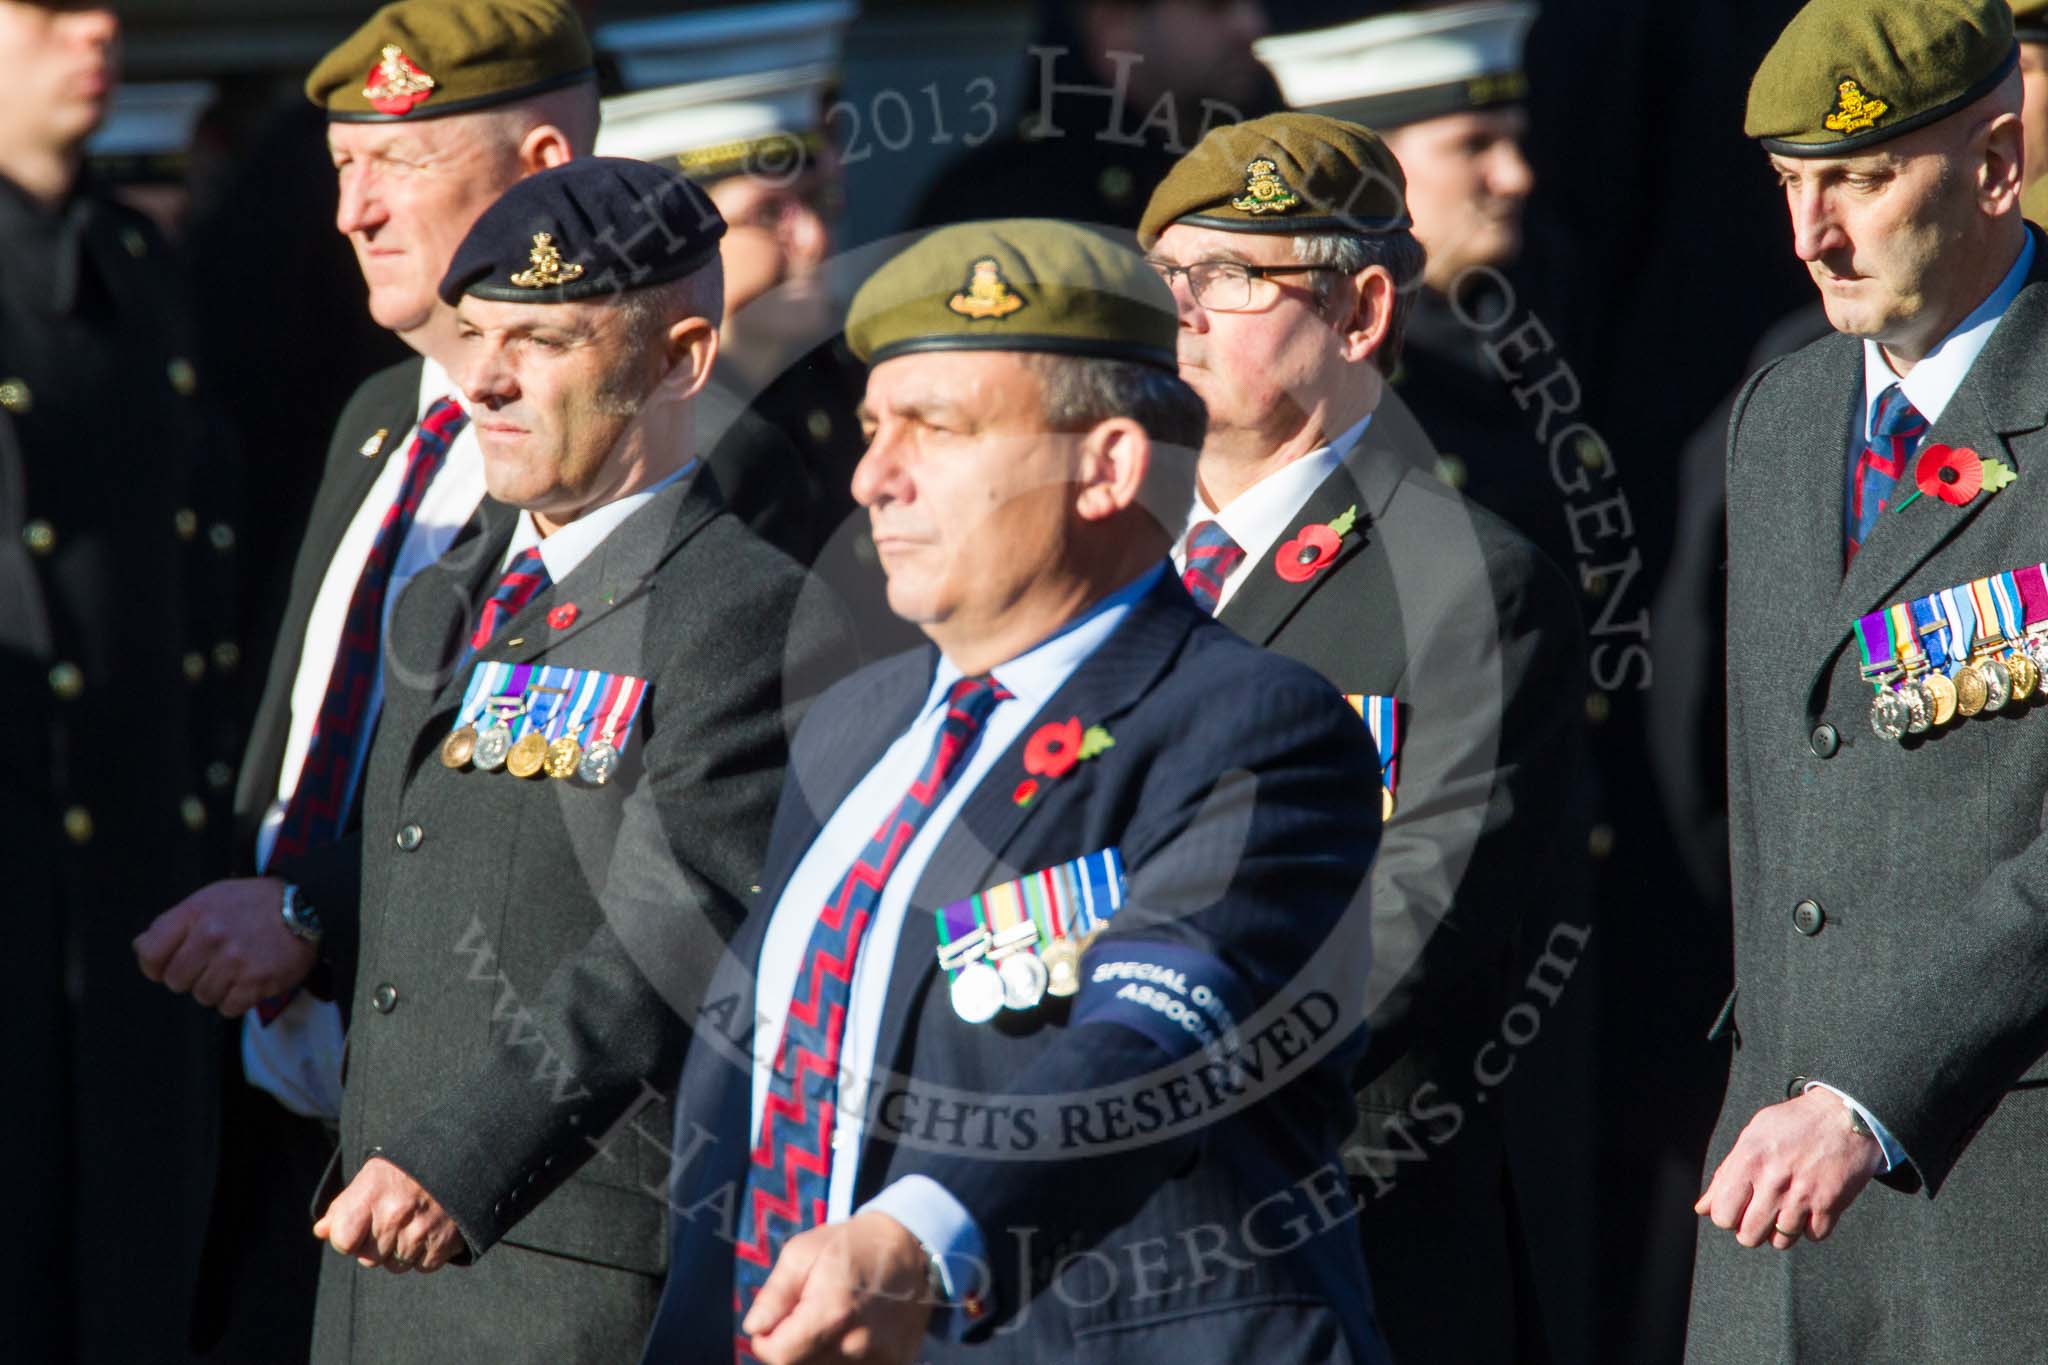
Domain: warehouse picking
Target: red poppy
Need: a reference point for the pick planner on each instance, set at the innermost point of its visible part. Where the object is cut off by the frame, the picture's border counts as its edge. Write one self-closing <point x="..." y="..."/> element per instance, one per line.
<point x="1312" y="550"/>
<point x="1025" y="791"/>
<point x="1054" y="748"/>
<point x="563" y="617"/>
<point x="1952" y="473"/>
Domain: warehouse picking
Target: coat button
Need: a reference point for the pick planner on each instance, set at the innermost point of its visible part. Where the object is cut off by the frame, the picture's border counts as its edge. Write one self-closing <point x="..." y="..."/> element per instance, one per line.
<point x="185" y="522"/>
<point x="1825" y="741"/>
<point x="1795" y="1087"/>
<point x="1808" y="918"/>
<point x="409" y="838"/>
<point x="40" y="537"/>
<point x="193" y="812"/>
<point x="194" y="667"/>
<point x="15" y="396"/>
<point x="78" y="825"/>
<point x="66" y="681"/>
<point x="385" y="998"/>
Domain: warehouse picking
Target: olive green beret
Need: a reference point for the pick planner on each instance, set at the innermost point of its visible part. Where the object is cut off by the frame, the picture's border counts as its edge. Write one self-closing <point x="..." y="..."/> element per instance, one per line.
<point x="2034" y="201"/>
<point x="422" y="59"/>
<point x="1017" y="284"/>
<point x="1849" y="74"/>
<point x="1288" y="172"/>
<point x="2030" y="20"/>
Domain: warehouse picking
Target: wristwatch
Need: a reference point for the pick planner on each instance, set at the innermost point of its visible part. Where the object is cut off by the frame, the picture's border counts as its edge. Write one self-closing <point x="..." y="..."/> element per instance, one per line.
<point x="301" y="920"/>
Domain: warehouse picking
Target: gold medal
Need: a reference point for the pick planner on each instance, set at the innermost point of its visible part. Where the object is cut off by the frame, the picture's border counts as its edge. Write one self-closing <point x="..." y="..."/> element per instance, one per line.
<point x="1970" y="692"/>
<point x="563" y="757"/>
<point x="527" y="756"/>
<point x="1942" y="693"/>
<point x="2026" y="678"/>
<point x="1386" y="804"/>
<point x="1062" y="958"/>
<point x="457" y="748"/>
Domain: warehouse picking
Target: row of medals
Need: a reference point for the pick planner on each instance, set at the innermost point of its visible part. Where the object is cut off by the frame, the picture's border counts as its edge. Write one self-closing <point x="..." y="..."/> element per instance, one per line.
<point x="1988" y="683"/>
<point x="1000" y="971"/>
<point x="494" y="748"/>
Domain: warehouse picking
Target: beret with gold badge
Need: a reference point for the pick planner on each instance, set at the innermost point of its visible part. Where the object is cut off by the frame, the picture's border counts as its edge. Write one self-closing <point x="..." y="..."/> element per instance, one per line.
<point x="1846" y="75"/>
<point x="1289" y="172"/>
<point x="586" y="229"/>
<point x="1018" y="284"/>
<point x="423" y="59"/>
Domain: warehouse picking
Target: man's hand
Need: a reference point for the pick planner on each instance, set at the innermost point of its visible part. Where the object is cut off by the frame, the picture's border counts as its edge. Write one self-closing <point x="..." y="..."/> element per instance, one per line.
<point x="386" y="1218"/>
<point x="226" y="944"/>
<point x="1795" y="1169"/>
<point x="852" y="1291"/>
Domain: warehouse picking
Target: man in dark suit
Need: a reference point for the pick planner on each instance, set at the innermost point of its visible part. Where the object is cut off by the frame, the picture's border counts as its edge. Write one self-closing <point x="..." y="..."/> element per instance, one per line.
<point x="1322" y="532"/>
<point x="1059" y="1069"/>
<point x="478" y="95"/>
<point x="570" y="791"/>
<point x="1885" y="601"/>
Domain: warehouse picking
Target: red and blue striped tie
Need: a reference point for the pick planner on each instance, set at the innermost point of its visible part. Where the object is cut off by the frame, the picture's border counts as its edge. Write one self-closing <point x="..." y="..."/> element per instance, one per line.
<point x="1211" y="555"/>
<point x="318" y="807"/>
<point x="525" y="578"/>
<point x="1894" y="436"/>
<point x="791" y="1175"/>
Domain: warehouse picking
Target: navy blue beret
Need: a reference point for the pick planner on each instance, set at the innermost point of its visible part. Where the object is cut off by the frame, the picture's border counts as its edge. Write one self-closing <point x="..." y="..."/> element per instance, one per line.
<point x="585" y="229"/>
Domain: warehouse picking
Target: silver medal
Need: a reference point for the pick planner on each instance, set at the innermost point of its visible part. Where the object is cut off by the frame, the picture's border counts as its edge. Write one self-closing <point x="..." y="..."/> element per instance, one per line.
<point x="492" y="748"/>
<point x="1997" y="683"/>
<point x="978" y="993"/>
<point x="600" y="761"/>
<point x="1919" y="707"/>
<point x="2036" y="648"/>
<point x="1889" y="715"/>
<point x="1024" y="980"/>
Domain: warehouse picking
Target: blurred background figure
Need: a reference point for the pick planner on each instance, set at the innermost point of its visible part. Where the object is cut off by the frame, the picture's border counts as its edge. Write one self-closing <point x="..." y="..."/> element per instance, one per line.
<point x="115" y="584"/>
<point x="1116" y="92"/>
<point x="2030" y="26"/>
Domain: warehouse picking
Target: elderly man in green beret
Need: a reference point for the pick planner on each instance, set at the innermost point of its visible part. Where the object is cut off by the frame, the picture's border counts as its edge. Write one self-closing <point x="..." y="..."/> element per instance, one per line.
<point x="1320" y="531"/>
<point x="991" y="1074"/>
<point x="1886" y="605"/>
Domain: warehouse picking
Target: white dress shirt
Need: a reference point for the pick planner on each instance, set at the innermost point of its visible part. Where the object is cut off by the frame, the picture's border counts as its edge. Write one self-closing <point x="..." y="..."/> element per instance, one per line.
<point x="919" y="1203"/>
<point x="297" y="1057"/>
<point x="1258" y="517"/>
<point x="570" y="546"/>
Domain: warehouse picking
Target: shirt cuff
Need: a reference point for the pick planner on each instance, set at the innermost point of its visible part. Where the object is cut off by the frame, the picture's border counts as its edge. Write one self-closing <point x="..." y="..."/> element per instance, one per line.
<point x="942" y="1224"/>
<point x="1894" y="1154"/>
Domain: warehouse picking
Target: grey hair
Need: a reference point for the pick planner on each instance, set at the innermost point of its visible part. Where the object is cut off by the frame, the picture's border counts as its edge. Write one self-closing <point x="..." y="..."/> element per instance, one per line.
<point x="1077" y="392"/>
<point x="1398" y="253"/>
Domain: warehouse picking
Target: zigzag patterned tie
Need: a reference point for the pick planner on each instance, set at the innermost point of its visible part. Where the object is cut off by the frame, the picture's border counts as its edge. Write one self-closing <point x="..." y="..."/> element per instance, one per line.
<point x="791" y="1175"/>
<point x="318" y="807"/>
<point x="1211" y="555"/>
<point x="1895" y="436"/>
<point x="525" y="578"/>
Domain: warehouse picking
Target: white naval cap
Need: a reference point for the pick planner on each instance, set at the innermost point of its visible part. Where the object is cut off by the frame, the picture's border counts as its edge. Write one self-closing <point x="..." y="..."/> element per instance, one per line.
<point x="723" y="91"/>
<point x="1408" y="66"/>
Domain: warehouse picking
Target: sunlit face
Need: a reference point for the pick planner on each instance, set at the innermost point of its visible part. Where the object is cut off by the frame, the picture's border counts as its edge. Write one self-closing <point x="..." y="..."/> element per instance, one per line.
<point x="1873" y="230"/>
<point x="1255" y="369"/>
<point x="553" y="389"/>
<point x="970" y="498"/>
<point x="778" y="234"/>
<point x="60" y="62"/>
<point x="1467" y="183"/>
<point x="410" y="192"/>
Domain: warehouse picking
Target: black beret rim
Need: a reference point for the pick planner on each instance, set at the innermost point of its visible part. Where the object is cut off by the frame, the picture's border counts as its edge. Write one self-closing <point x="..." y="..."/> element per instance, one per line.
<point x="1037" y="343"/>
<point x="1321" y="222"/>
<point x="1871" y="137"/>
<point x="479" y="284"/>
<point x="429" y="110"/>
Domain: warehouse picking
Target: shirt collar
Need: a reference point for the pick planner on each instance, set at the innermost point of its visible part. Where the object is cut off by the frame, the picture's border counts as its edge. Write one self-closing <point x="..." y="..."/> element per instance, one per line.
<point x="1939" y="374"/>
<point x="435" y="383"/>
<point x="567" y="548"/>
<point x="1257" y="517"/>
<point x="1033" y="676"/>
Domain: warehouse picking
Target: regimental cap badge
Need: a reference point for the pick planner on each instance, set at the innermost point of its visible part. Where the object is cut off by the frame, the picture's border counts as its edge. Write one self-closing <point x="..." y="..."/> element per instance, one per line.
<point x="987" y="294"/>
<point x="1854" y="110"/>
<point x="549" y="269"/>
<point x="1264" y="190"/>
<point x="396" y="84"/>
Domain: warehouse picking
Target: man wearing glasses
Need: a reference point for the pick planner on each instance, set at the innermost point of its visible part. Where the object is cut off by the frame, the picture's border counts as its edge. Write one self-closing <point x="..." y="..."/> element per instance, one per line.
<point x="1320" y="530"/>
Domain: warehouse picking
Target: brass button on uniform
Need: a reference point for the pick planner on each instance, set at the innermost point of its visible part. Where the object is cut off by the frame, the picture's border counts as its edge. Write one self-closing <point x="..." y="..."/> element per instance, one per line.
<point x="184" y="379"/>
<point x="194" y="666"/>
<point x="385" y="998"/>
<point x="227" y="656"/>
<point x="134" y="243"/>
<point x="1808" y="918"/>
<point x="66" y="681"/>
<point x="1600" y="841"/>
<point x="185" y="522"/>
<point x="409" y="838"/>
<point x="819" y="424"/>
<point x="78" y="825"/>
<point x="193" y="812"/>
<point x="1825" y="741"/>
<point x="15" y="397"/>
<point x="1598" y="708"/>
<point x="1452" y="471"/>
<point x="220" y="775"/>
<point x="221" y="536"/>
<point x="40" y="537"/>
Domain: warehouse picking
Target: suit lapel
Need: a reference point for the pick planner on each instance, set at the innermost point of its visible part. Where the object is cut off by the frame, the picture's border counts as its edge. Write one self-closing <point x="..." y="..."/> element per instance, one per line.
<point x="367" y="454"/>
<point x="430" y="626"/>
<point x="1365" y="480"/>
<point x="971" y="855"/>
